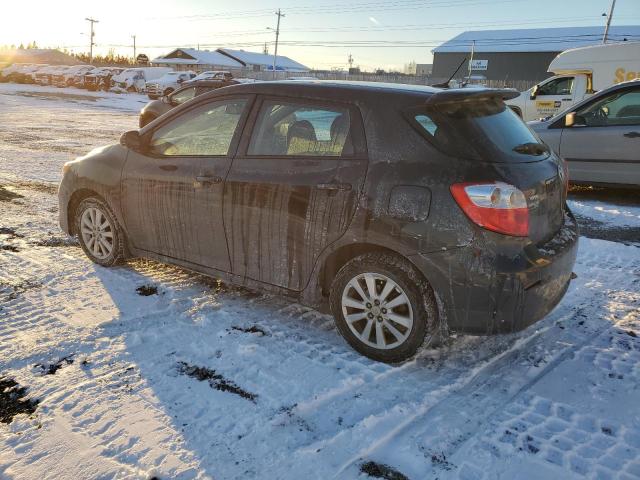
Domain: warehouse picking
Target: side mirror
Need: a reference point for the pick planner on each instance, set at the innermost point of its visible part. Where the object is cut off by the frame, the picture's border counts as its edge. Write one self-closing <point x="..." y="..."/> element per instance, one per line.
<point x="570" y="119"/>
<point x="534" y="92"/>
<point x="132" y="140"/>
<point x="574" y="120"/>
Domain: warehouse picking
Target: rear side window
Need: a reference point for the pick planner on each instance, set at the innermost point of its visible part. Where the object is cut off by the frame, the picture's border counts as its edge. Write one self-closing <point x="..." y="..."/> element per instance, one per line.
<point x="292" y="129"/>
<point x="482" y="130"/>
<point x="183" y="95"/>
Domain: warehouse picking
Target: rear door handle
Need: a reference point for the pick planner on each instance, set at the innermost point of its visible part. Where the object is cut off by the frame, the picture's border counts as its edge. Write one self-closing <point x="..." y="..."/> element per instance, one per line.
<point x="632" y="134"/>
<point x="334" y="186"/>
<point x="208" y="179"/>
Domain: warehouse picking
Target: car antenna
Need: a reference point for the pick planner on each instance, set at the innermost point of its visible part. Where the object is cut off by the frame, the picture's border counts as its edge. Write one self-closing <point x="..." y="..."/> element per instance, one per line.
<point x="446" y="84"/>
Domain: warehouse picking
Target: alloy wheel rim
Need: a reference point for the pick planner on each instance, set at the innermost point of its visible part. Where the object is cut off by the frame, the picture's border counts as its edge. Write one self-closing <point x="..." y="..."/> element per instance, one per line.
<point x="377" y="311"/>
<point x="97" y="233"/>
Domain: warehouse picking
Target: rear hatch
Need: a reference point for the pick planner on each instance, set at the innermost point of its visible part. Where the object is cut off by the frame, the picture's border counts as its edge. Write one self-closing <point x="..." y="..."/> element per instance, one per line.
<point x="477" y="127"/>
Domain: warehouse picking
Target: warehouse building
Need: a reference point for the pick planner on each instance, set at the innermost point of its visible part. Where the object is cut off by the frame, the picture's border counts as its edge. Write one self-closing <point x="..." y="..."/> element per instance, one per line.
<point x="226" y="59"/>
<point x="517" y="55"/>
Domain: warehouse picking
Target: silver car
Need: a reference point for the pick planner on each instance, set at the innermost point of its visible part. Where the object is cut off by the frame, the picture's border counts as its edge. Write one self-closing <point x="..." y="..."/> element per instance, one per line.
<point x="599" y="137"/>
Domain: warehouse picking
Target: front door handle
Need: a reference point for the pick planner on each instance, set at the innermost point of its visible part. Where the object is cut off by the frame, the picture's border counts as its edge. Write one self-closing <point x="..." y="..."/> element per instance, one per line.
<point x="632" y="134"/>
<point x="208" y="179"/>
<point x="334" y="186"/>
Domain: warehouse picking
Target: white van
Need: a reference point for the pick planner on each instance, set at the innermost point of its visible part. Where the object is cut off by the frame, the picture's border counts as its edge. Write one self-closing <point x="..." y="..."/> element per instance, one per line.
<point x="578" y="73"/>
<point x="134" y="79"/>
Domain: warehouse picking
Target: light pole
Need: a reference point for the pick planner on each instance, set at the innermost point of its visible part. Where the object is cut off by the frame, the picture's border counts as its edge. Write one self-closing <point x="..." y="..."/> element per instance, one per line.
<point x="277" y="30"/>
<point x="91" y="35"/>
<point x="134" y="47"/>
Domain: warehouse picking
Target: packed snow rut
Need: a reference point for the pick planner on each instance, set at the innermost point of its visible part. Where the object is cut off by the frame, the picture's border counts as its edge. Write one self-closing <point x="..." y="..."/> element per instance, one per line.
<point x="125" y="365"/>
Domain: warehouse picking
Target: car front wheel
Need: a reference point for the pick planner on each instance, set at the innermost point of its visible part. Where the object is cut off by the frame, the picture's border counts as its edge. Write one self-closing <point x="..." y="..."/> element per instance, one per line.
<point x="100" y="236"/>
<point x="383" y="307"/>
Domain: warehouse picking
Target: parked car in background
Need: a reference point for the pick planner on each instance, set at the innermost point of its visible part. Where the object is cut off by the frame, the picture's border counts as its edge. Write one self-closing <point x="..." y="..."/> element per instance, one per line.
<point x="79" y="77"/>
<point x="578" y="73"/>
<point x="100" y="78"/>
<point x="213" y="75"/>
<point x="599" y="137"/>
<point x="45" y="75"/>
<point x="66" y="77"/>
<point x="155" y="108"/>
<point x="134" y="79"/>
<point x="421" y="212"/>
<point x="22" y="73"/>
<point x="167" y="83"/>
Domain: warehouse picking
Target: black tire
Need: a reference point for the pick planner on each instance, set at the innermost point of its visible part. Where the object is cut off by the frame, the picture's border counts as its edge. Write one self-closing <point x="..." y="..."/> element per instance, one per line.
<point x="420" y="296"/>
<point x="118" y="251"/>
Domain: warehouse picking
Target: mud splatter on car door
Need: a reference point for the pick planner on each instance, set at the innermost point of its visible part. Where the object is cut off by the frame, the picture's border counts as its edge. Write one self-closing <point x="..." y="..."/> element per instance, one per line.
<point x="172" y="190"/>
<point x="285" y="197"/>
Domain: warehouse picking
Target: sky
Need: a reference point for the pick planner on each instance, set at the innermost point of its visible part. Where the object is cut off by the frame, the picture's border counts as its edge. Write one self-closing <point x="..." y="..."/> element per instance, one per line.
<point x="320" y="34"/>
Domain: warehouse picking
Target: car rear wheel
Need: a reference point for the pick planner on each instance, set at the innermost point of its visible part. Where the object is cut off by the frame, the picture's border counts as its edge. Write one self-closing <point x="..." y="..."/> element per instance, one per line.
<point x="100" y="236"/>
<point x="383" y="307"/>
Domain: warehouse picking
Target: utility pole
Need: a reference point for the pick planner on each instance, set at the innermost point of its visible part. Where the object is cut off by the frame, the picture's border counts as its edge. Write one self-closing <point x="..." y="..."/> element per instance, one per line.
<point x="91" y="35"/>
<point x="134" y="47"/>
<point x="275" y="53"/>
<point x="606" y="29"/>
<point x="350" y="61"/>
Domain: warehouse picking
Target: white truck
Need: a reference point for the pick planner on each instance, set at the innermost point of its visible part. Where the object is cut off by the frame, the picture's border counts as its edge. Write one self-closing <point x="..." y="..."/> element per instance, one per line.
<point x="134" y="79"/>
<point x="167" y="83"/>
<point x="578" y="73"/>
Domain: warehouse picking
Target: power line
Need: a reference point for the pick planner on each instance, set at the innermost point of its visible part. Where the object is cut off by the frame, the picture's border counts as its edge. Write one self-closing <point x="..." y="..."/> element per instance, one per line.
<point x="342" y="8"/>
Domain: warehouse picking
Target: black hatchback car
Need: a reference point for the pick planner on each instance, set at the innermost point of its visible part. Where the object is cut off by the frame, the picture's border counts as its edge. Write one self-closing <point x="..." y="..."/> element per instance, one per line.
<point x="399" y="208"/>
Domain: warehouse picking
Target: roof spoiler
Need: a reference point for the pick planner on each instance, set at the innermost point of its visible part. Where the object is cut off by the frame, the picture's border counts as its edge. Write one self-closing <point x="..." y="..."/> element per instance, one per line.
<point x="458" y="95"/>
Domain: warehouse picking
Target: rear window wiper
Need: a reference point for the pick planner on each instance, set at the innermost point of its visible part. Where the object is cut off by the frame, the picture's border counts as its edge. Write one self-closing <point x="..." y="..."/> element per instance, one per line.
<point x="531" y="148"/>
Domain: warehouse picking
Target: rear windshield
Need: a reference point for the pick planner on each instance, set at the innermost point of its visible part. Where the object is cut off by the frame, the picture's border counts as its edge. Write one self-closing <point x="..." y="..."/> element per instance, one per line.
<point x="485" y="130"/>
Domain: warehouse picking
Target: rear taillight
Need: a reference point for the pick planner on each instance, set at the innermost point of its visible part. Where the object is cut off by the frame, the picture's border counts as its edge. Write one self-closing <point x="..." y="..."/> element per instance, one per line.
<point x="498" y="206"/>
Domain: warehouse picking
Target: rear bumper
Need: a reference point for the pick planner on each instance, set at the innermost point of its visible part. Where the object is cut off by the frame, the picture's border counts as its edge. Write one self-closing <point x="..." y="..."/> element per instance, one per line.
<point x="500" y="287"/>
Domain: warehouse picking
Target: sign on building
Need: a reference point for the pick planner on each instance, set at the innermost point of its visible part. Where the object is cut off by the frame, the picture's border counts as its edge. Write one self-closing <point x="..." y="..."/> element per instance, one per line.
<point x="479" y="64"/>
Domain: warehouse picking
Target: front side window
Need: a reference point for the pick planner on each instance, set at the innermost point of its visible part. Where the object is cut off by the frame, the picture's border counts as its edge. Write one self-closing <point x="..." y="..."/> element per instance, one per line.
<point x="559" y="86"/>
<point x="618" y="108"/>
<point x="183" y="95"/>
<point x="203" y="131"/>
<point x="292" y="129"/>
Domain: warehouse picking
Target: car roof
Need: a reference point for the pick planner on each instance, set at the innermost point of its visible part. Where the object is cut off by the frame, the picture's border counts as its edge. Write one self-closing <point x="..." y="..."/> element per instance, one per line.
<point x="362" y="91"/>
<point x="323" y="87"/>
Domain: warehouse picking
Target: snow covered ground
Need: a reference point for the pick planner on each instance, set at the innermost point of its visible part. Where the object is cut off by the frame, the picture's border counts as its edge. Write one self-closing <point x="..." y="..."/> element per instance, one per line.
<point x="150" y="370"/>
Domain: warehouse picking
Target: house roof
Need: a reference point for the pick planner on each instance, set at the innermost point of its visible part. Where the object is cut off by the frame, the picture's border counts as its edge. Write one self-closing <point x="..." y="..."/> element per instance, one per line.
<point x="536" y="39"/>
<point x="266" y="60"/>
<point x="191" y="56"/>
